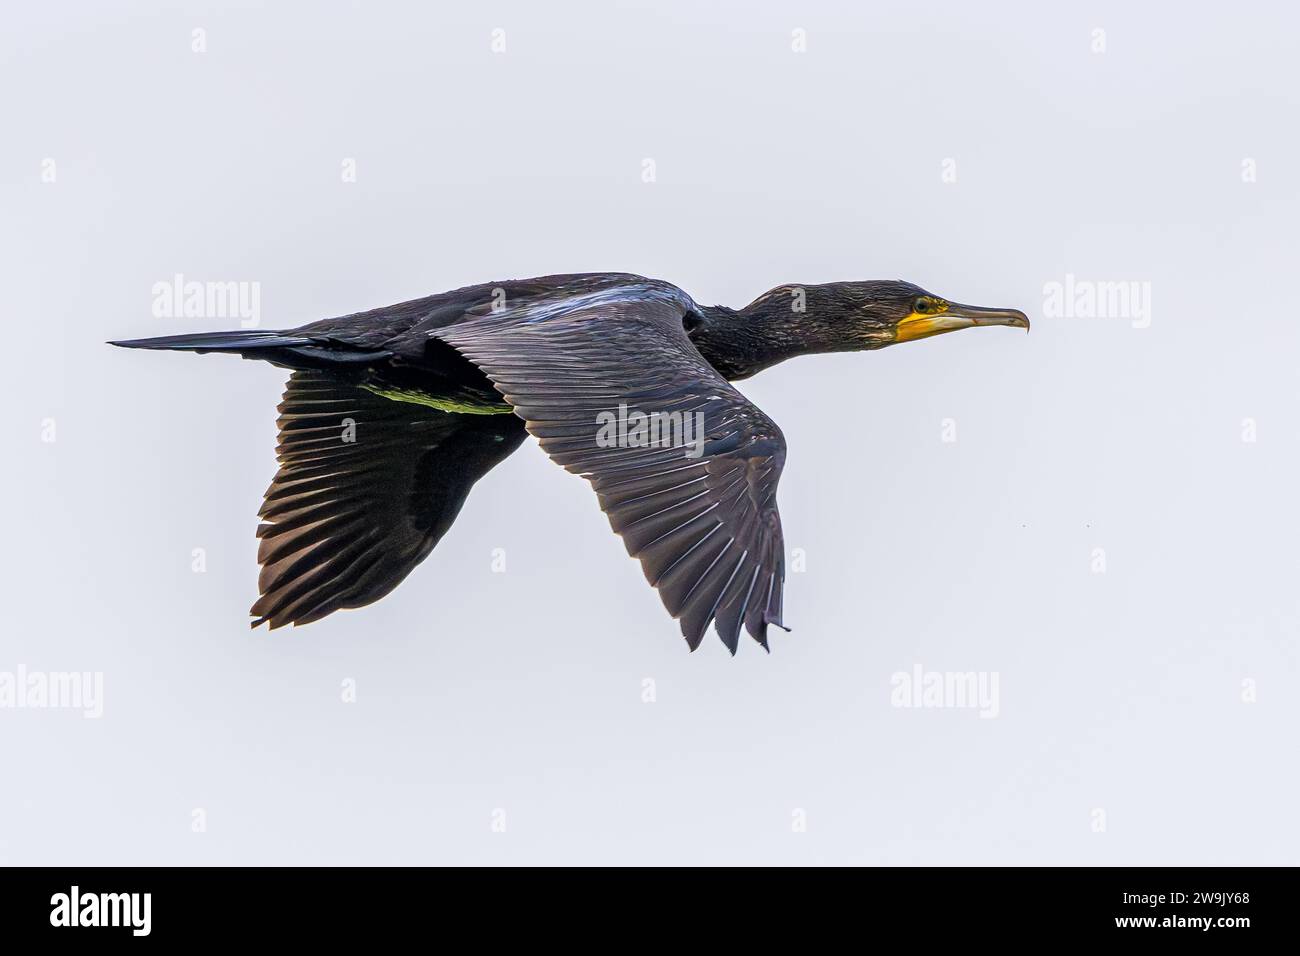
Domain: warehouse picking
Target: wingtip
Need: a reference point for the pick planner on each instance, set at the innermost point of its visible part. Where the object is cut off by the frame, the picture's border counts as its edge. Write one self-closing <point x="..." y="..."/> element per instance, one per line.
<point x="775" y="619"/>
<point x="730" y="638"/>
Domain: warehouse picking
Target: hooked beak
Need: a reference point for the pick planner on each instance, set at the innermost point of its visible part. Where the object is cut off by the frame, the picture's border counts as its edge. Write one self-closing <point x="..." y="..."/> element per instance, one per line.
<point x="957" y="316"/>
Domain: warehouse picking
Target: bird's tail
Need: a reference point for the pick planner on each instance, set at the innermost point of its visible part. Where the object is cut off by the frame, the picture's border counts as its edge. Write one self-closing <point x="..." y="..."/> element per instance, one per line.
<point x="287" y="349"/>
<point x="239" y="342"/>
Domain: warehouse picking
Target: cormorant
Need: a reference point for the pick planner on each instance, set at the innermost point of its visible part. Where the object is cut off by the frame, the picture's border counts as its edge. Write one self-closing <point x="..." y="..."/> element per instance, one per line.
<point x="391" y="415"/>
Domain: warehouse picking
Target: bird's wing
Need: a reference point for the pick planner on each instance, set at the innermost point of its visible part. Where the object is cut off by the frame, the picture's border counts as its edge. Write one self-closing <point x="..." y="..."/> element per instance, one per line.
<point x="366" y="487"/>
<point x="703" y="522"/>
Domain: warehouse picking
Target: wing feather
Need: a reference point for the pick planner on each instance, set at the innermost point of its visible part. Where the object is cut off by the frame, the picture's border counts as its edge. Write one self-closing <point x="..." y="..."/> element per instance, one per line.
<point x="701" y="517"/>
<point x="345" y="521"/>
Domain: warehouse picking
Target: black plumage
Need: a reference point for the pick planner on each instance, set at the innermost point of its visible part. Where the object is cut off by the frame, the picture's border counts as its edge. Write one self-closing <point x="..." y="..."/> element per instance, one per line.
<point x="366" y="487"/>
<point x="390" y="416"/>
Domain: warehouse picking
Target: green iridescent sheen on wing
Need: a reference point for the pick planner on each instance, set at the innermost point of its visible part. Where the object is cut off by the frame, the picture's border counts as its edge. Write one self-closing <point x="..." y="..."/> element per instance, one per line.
<point x="465" y="404"/>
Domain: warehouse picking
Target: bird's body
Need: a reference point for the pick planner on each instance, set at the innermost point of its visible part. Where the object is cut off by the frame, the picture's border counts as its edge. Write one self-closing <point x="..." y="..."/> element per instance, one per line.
<point x="391" y="415"/>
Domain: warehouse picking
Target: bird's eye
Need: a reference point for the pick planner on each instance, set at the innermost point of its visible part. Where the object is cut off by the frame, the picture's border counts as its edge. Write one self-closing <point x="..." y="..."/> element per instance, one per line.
<point x="924" y="306"/>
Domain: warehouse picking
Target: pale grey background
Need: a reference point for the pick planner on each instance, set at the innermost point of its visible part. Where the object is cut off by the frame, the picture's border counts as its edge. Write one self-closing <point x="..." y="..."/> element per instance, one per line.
<point x="1120" y="691"/>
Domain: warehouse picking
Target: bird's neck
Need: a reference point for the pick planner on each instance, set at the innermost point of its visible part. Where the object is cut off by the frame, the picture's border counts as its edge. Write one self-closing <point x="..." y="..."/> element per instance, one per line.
<point x="774" y="327"/>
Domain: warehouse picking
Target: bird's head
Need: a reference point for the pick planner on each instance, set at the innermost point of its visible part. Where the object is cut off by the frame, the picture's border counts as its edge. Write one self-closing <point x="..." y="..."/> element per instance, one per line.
<point x="871" y="315"/>
<point x="795" y="320"/>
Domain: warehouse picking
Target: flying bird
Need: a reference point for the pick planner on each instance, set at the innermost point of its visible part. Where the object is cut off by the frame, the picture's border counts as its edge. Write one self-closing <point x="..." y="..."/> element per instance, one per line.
<point x="390" y="416"/>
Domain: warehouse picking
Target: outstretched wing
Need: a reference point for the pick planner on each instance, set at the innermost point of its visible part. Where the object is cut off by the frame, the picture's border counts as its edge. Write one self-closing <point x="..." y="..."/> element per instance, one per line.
<point x="366" y="487"/>
<point x="697" y="505"/>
